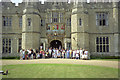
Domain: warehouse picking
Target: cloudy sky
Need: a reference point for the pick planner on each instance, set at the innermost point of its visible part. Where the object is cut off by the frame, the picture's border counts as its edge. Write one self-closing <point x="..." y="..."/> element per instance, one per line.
<point x="20" y="1"/>
<point x="16" y="1"/>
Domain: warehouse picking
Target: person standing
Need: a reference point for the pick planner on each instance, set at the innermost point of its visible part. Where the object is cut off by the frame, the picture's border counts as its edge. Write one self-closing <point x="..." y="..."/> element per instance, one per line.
<point x="46" y="53"/>
<point x="21" y="54"/>
<point x="77" y="54"/>
<point x="32" y="53"/>
<point x="54" y="53"/>
<point x="86" y="54"/>
<point x="50" y="52"/>
<point x="74" y="51"/>
<point x="41" y="53"/>
<point x="81" y="53"/>
<point x="59" y="53"/>
<point x="29" y="53"/>
<point x="68" y="54"/>
<point x="26" y="54"/>
<point x="63" y="53"/>
<point x="37" y="54"/>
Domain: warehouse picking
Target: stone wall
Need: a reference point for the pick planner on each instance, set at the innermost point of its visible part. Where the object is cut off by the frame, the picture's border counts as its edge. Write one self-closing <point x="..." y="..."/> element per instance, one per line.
<point x="83" y="36"/>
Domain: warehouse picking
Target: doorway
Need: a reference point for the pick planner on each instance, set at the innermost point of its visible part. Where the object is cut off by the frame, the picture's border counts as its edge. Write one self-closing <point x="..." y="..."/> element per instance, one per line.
<point x="56" y="44"/>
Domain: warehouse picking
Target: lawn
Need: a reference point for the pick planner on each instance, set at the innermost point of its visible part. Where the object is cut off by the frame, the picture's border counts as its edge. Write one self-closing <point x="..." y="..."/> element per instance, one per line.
<point x="59" y="71"/>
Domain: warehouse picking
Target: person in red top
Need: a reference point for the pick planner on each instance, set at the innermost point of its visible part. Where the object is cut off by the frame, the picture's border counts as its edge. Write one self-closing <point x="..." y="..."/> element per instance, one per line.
<point x="41" y="55"/>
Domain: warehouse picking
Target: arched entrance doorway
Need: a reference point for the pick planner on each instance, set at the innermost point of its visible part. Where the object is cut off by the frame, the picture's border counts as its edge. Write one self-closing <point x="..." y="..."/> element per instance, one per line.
<point x="56" y="44"/>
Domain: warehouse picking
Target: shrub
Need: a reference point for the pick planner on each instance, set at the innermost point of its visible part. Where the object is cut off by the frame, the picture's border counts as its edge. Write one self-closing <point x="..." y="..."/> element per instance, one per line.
<point x="10" y="57"/>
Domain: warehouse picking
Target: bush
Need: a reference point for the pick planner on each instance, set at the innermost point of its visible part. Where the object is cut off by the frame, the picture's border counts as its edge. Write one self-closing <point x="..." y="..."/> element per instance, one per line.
<point x="104" y="57"/>
<point x="10" y="57"/>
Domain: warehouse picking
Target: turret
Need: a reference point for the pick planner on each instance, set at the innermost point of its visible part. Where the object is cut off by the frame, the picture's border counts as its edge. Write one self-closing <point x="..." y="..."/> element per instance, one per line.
<point x="116" y="28"/>
<point x="79" y="26"/>
<point x="31" y="26"/>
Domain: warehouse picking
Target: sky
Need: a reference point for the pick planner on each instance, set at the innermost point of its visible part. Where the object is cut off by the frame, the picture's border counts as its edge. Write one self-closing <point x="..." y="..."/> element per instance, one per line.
<point x="20" y="1"/>
<point x="16" y="1"/>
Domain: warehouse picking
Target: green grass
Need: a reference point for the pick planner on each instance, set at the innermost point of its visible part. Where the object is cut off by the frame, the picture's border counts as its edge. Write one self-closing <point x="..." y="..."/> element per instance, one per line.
<point x="59" y="71"/>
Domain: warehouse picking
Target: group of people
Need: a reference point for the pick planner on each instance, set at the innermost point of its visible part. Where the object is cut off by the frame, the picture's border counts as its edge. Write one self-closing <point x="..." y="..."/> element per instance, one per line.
<point x="54" y="53"/>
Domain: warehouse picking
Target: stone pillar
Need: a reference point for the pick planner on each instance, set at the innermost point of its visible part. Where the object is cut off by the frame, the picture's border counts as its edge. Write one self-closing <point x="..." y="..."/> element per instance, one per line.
<point x="117" y="44"/>
<point x="116" y="28"/>
<point x="44" y="46"/>
<point x="65" y="45"/>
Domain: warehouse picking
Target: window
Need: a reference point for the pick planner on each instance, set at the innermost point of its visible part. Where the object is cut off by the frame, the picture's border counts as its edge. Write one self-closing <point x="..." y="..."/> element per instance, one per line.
<point x="68" y="45"/>
<point x="19" y="44"/>
<point x="7" y="21"/>
<point x="6" y="46"/>
<point x="42" y="22"/>
<point x="29" y="21"/>
<point x="4" y="21"/>
<point x="69" y="22"/>
<point x="80" y="22"/>
<point x="102" y="44"/>
<point x="61" y="17"/>
<point x="49" y="17"/>
<point x="20" y="21"/>
<point x="102" y="19"/>
<point x="55" y="17"/>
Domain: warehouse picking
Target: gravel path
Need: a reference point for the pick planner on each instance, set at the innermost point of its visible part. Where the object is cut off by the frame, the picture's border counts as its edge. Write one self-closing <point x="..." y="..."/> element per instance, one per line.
<point x="113" y="64"/>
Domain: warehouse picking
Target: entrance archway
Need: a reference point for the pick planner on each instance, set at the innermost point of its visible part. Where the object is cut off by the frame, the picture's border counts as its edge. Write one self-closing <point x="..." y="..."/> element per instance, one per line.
<point x="56" y="44"/>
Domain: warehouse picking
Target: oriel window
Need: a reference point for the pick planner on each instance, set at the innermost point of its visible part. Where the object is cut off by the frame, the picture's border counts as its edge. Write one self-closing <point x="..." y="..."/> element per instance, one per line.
<point x="55" y="17"/>
<point x="61" y="17"/>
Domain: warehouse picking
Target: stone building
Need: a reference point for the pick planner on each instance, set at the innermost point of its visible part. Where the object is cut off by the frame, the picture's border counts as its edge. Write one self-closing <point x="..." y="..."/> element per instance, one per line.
<point x="92" y="26"/>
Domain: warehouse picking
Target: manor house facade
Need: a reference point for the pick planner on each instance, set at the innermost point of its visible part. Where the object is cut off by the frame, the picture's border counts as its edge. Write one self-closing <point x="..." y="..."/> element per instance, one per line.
<point x="92" y="26"/>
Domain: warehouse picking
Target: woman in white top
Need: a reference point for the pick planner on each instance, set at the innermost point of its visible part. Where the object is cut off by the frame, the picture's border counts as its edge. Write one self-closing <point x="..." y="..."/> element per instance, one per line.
<point x="56" y="53"/>
<point x="23" y="52"/>
<point x="21" y="55"/>
<point x="81" y="53"/>
<point x="77" y="55"/>
<point x="86" y="54"/>
<point x="50" y="52"/>
<point x="74" y="52"/>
